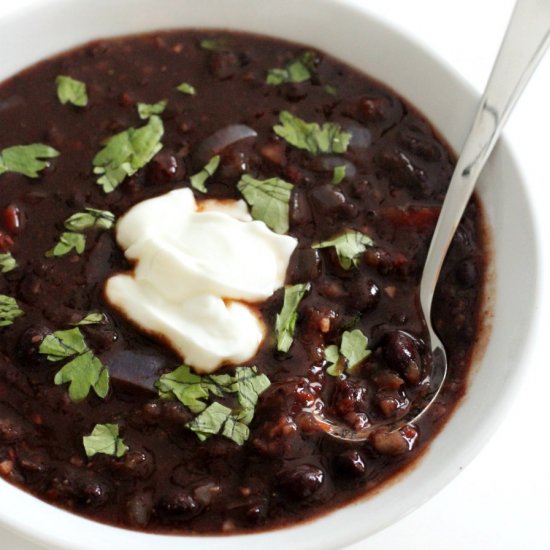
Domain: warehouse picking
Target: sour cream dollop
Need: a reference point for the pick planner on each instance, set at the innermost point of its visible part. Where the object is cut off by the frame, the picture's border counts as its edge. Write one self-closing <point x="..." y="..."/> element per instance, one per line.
<point x="196" y="268"/>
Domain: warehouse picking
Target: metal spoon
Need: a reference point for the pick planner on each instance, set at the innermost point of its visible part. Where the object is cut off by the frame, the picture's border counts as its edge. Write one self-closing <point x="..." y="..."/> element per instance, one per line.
<point x="525" y="42"/>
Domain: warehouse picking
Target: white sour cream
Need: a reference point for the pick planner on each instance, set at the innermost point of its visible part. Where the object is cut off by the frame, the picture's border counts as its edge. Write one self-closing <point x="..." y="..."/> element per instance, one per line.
<point x="195" y="265"/>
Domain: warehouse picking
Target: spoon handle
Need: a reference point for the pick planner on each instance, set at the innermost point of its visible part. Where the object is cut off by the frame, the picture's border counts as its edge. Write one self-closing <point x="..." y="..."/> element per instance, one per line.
<point x="523" y="46"/>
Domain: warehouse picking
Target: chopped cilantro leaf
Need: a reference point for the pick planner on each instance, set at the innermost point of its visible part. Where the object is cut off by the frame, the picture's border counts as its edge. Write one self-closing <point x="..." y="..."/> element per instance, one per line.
<point x="330" y="89"/>
<point x="298" y="70"/>
<point x="186" y="88"/>
<point x="198" y="180"/>
<point x="286" y="320"/>
<point x="90" y="218"/>
<point x="353" y="349"/>
<point x="328" y="138"/>
<point x="185" y="386"/>
<point x="26" y="159"/>
<point x="9" y="310"/>
<point x="68" y="241"/>
<point x="147" y="110"/>
<point x="339" y="174"/>
<point x="349" y="247"/>
<point x="248" y="386"/>
<point x="210" y="421"/>
<point x="213" y="44"/>
<point x="236" y="430"/>
<point x="104" y="439"/>
<point x="84" y="372"/>
<point x="7" y="262"/>
<point x="71" y="91"/>
<point x="335" y="365"/>
<point x="269" y="200"/>
<point x="93" y="318"/>
<point x="125" y="153"/>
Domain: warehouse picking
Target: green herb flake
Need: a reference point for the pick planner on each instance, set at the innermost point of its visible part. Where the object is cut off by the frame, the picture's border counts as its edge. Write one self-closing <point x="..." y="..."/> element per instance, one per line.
<point x="269" y="200"/>
<point x="213" y="44"/>
<point x="9" y="310"/>
<point x="198" y="180"/>
<point x="7" y="262"/>
<point x="330" y="89"/>
<point x="104" y="439"/>
<point x="186" y="88"/>
<point x="84" y="372"/>
<point x="349" y="247"/>
<point x="71" y="91"/>
<point x="353" y="349"/>
<point x="298" y="70"/>
<point x="27" y="160"/>
<point x="125" y="153"/>
<point x="328" y="138"/>
<point x="185" y="386"/>
<point x="248" y="386"/>
<point x="285" y="322"/>
<point x="68" y="241"/>
<point x="90" y="218"/>
<point x="335" y="365"/>
<point x="147" y="110"/>
<point x="210" y="421"/>
<point x="339" y="174"/>
<point x="93" y="318"/>
<point x="236" y="430"/>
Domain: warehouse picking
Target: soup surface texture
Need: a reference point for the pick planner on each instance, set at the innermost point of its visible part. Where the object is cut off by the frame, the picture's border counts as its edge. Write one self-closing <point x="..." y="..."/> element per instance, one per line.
<point x="98" y="416"/>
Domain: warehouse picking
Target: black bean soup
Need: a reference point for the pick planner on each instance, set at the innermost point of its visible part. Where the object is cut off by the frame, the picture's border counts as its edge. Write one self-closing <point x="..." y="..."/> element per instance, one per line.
<point x="84" y="421"/>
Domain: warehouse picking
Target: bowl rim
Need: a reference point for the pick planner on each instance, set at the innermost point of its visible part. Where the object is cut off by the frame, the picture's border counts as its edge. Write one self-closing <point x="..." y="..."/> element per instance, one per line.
<point x="14" y="522"/>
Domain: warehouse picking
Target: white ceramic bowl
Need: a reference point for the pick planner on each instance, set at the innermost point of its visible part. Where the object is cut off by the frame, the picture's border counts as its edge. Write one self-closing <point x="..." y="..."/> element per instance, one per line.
<point x="39" y="28"/>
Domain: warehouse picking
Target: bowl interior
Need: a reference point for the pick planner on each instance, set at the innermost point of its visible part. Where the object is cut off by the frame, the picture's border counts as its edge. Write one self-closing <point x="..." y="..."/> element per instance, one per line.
<point x="40" y="28"/>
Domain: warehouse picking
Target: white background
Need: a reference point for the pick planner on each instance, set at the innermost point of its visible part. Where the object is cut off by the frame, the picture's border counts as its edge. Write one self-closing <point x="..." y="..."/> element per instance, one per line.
<point x="501" y="500"/>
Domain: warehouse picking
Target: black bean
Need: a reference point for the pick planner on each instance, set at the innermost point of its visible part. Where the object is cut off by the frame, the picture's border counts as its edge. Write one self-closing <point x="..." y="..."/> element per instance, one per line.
<point x="139" y="508"/>
<point x="164" y="168"/>
<point x="400" y="350"/>
<point x="363" y="293"/>
<point x="178" y="504"/>
<point x="328" y="200"/>
<point x="304" y="265"/>
<point x="350" y="463"/>
<point x="80" y="486"/>
<point x="29" y="343"/>
<point x="223" y="64"/>
<point x="301" y="482"/>
<point x="300" y="211"/>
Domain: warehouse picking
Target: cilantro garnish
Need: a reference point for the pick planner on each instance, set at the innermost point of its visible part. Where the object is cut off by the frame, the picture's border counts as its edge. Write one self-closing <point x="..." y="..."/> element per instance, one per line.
<point x="26" y="159"/>
<point x="328" y="138"/>
<point x="198" y="180"/>
<point x="353" y="349"/>
<point x="104" y="439"/>
<point x="90" y="218"/>
<point x="269" y="200"/>
<point x="194" y="390"/>
<point x="84" y="371"/>
<point x="68" y="241"/>
<point x="297" y="71"/>
<point x="7" y="262"/>
<point x="71" y="91"/>
<point x="125" y="153"/>
<point x="186" y="88"/>
<point x="92" y="318"/>
<point x="9" y="310"/>
<point x="286" y="320"/>
<point x="213" y="44"/>
<point x="147" y="110"/>
<point x="339" y="174"/>
<point x="74" y="239"/>
<point x="349" y="247"/>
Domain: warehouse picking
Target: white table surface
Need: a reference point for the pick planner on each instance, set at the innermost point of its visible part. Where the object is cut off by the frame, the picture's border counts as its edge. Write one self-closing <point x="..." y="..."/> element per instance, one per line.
<point x="501" y="500"/>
